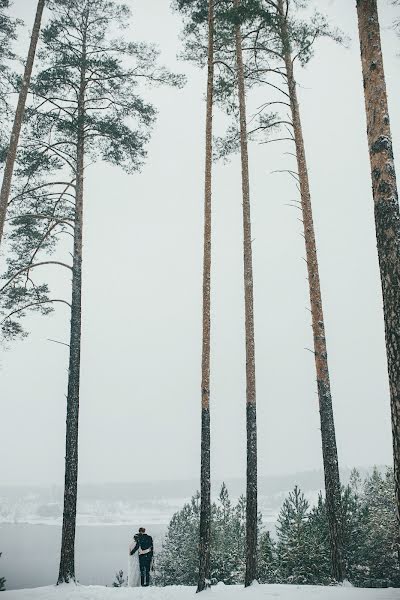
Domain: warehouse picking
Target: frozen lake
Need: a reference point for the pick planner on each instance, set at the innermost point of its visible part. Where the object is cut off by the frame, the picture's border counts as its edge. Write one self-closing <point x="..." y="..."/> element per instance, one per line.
<point x="31" y="552"/>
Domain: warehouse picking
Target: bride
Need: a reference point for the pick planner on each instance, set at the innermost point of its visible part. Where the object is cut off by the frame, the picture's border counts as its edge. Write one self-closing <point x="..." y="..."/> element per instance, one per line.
<point x="133" y="565"/>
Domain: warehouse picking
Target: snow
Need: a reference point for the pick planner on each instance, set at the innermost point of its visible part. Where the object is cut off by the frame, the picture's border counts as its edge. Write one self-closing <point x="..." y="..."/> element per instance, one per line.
<point x="220" y="592"/>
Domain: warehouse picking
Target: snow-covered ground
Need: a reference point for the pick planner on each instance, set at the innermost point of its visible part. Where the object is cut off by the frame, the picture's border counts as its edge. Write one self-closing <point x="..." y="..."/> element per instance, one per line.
<point x="220" y="592"/>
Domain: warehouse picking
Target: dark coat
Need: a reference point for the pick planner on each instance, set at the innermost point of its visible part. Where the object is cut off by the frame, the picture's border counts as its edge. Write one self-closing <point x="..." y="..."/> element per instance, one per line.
<point x="144" y="542"/>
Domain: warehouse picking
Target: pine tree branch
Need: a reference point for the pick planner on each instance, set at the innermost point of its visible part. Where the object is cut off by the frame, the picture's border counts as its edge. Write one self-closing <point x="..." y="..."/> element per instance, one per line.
<point x="42" y="185"/>
<point x="63" y="221"/>
<point x="264" y="82"/>
<point x="269" y="126"/>
<point x="29" y="267"/>
<point x="221" y="62"/>
<point x="263" y="106"/>
<point x="57" y="342"/>
<point x="306" y="47"/>
<point x="41" y="242"/>
<point x="31" y="304"/>
<point x="293" y="174"/>
<point x="284" y="139"/>
<point x="273" y="4"/>
<point x="52" y="102"/>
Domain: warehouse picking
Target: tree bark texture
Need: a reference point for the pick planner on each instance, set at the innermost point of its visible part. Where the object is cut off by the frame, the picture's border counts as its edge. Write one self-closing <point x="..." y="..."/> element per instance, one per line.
<point x="251" y="416"/>
<point x="328" y="435"/>
<point x="18" y="118"/>
<point x="205" y="484"/>
<point x="386" y="209"/>
<point x="67" y="560"/>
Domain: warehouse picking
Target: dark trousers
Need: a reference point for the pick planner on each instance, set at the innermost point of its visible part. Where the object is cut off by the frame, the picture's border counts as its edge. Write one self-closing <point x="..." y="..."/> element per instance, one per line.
<point x="145" y="564"/>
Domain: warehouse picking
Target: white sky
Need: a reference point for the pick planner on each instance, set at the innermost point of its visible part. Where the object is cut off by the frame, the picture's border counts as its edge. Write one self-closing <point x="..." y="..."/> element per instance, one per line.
<point x="140" y="395"/>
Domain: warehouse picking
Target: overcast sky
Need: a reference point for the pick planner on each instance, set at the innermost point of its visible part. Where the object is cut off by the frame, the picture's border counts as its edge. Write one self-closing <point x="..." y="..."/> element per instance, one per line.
<point x="140" y="394"/>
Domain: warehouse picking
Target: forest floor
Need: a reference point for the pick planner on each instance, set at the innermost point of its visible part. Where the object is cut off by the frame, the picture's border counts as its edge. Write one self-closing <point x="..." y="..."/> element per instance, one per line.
<point x="220" y="592"/>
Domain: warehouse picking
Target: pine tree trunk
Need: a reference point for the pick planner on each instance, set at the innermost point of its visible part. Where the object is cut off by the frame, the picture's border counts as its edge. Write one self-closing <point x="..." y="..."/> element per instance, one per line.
<point x="328" y="435"/>
<point x="251" y="487"/>
<point x="386" y="208"/>
<point x="67" y="560"/>
<point x="205" y="506"/>
<point x="18" y="118"/>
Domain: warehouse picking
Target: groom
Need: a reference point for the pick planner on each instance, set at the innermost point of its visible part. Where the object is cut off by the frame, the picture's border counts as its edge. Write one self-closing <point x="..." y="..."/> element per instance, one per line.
<point x="144" y="546"/>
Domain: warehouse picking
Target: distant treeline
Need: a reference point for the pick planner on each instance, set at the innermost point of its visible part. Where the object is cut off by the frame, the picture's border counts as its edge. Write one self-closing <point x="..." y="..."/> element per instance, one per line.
<point x="145" y="490"/>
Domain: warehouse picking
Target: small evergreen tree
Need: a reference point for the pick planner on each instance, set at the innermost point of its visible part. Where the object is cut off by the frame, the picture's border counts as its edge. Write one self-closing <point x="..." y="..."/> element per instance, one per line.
<point x="228" y="539"/>
<point x="268" y="571"/>
<point x="120" y="580"/>
<point x="177" y="562"/>
<point x="380" y="531"/>
<point x="294" y="547"/>
<point x="224" y="539"/>
<point x="353" y="527"/>
<point x="2" y="581"/>
<point x="319" y="558"/>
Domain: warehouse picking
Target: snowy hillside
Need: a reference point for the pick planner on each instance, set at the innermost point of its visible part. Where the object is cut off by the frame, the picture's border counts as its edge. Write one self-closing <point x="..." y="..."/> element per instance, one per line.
<point x="220" y="592"/>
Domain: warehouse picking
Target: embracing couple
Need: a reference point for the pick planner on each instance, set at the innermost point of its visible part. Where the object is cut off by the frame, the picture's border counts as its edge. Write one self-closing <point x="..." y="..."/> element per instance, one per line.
<point x="141" y="554"/>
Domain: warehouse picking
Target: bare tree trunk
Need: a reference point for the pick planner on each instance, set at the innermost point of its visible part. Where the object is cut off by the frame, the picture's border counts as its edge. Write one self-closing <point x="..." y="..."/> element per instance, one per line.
<point x="251" y="415"/>
<point x="67" y="560"/>
<point x="205" y="506"/>
<point x="329" y="449"/>
<point x="19" y="115"/>
<point x="386" y="208"/>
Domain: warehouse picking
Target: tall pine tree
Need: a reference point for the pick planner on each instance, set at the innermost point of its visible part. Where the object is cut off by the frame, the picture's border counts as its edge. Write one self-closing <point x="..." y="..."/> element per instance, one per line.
<point x="227" y="26"/>
<point x="251" y="426"/>
<point x="205" y="512"/>
<point x="88" y="107"/>
<point x="275" y="39"/>
<point x="328" y="434"/>
<point x="386" y="208"/>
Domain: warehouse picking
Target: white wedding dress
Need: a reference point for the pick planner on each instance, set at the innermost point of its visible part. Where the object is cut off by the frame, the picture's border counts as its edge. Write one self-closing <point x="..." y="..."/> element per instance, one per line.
<point x="133" y="567"/>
